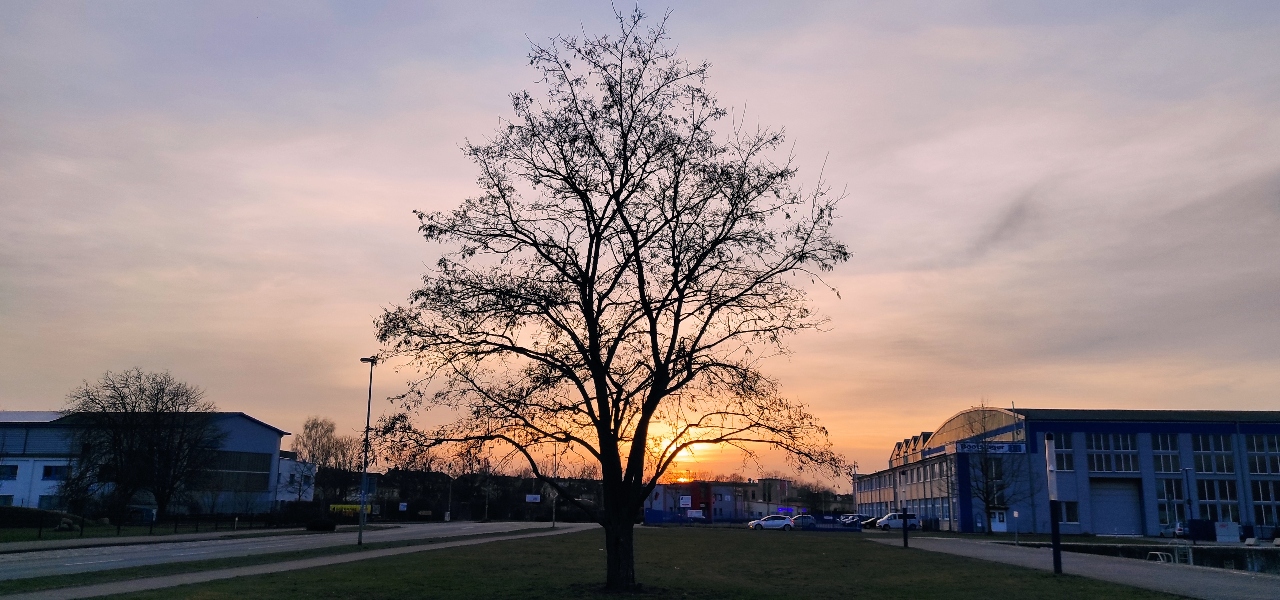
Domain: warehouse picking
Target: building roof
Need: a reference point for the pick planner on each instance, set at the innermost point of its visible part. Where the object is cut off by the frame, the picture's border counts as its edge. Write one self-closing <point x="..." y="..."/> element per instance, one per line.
<point x="1150" y="416"/>
<point x="29" y="416"/>
<point x="49" y="416"/>
<point x="267" y="425"/>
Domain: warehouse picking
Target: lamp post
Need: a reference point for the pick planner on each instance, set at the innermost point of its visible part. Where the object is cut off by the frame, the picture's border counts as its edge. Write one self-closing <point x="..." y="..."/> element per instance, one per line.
<point x="902" y="506"/>
<point x="1186" y="499"/>
<point x="364" y="464"/>
<point x="1051" y="472"/>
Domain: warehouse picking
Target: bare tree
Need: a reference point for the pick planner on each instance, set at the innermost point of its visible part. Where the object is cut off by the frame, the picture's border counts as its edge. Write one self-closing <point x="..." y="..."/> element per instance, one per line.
<point x="996" y="480"/>
<point x="618" y="281"/>
<point x="337" y="457"/>
<point x="140" y="431"/>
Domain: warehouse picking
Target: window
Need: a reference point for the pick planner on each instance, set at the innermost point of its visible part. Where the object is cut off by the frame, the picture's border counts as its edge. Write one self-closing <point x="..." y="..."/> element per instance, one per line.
<point x="1213" y="453"/>
<point x="1218" y="500"/>
<point x="6" y="500"/>
<point x="1069" y="512"/>
<point x="994" y="470"/>
<point x="51" y="502"/>
<point x="1164" y="449"/>
<point x="1264" y="454"/>
<point x="1170" y="501"/>
<point x="1113" y="452"/>
<point x="1063" y="455"/>
<point x="1266" y="502"/>
<point x="54" y="473"/>
<point x="8" y="472"/>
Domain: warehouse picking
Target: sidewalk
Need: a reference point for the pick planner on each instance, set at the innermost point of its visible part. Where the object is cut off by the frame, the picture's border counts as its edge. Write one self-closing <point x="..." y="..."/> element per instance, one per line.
<point x="153" y="583"/>
<point x="1182" y="580"/>
<point x="90" y="542"/>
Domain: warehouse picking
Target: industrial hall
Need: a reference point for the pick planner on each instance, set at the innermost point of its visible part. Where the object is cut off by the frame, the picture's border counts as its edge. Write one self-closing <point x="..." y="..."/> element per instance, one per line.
<point x="1119" y="472"/>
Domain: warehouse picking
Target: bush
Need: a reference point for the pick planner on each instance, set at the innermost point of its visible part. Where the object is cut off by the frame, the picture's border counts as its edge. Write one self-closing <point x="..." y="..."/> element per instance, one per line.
<point x="17" y="516"/>
<point x="322" y="525"/>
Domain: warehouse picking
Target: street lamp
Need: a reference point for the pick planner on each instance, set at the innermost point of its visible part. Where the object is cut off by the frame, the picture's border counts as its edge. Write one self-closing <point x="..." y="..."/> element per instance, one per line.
<point x="902" y="505"/>
<point x="364" y="467"/>
<point x="1186" y="499"/>
<point x="1051" y="481"/>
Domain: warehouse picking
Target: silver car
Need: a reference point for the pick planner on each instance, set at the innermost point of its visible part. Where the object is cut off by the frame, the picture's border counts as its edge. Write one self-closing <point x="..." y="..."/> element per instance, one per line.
<point x="772" y="522"/>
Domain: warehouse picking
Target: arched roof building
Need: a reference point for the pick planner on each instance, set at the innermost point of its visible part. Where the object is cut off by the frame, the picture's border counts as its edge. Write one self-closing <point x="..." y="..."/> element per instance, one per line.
<point x="1127" y="472"/>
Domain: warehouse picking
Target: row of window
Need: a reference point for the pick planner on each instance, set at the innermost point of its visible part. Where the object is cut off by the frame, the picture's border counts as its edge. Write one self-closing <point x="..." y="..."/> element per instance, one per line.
<point x="49" y="473"/>
<point x="921" y="473"/>
<point x="1118" y="453"/>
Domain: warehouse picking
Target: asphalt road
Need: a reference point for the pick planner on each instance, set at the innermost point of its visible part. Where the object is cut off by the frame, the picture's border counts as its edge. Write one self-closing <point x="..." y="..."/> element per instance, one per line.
<point x="101" y="558"/>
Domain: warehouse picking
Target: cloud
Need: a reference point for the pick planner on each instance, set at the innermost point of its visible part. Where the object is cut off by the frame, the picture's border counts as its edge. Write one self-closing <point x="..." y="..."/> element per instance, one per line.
<point x="1051" y="205"/>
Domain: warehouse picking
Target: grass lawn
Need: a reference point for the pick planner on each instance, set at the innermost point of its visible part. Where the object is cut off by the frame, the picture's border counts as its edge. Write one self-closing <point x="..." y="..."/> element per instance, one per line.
<point x="672" y="563"/>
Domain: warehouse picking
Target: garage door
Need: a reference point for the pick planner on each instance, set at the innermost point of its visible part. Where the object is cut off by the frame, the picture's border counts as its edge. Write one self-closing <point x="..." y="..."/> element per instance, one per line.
<point x="1116" y="507"/>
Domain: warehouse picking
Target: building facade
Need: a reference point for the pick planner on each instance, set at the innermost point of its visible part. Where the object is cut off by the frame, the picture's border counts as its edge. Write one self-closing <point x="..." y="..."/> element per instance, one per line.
<point x="1120" y="472"/>
<point x="720" y="501"/>
<point x="36" y="454"/>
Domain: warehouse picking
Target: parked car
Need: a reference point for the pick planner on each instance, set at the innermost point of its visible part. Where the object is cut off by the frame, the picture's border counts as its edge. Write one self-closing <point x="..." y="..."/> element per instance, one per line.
<point x="894" y="521"/>
<point x="772" y="522"/>
<point x="869" y="522"/>
<point x="853" y="519"/>
<point x="1176" y="530"/>
<point x="804" y="522"/>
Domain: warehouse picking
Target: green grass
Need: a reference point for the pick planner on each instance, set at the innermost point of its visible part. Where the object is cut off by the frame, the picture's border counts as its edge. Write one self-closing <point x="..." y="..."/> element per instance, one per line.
<point x="34" y="584"/>
<point x="672" y="563"/>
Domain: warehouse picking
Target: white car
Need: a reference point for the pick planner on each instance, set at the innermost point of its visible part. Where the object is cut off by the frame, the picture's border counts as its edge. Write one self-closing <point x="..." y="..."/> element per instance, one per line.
<point x="894" y="521"/>
<point x="772" y="522"/>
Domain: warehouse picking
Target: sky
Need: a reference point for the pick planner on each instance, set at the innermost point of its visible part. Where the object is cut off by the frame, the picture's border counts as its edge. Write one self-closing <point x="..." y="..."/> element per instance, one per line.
<point x="1050" y="204"/>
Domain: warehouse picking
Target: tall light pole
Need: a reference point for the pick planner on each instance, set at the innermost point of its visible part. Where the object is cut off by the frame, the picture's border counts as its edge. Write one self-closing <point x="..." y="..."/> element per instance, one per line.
<point x="1051" y="481"/>
<point x="364" y="465"/>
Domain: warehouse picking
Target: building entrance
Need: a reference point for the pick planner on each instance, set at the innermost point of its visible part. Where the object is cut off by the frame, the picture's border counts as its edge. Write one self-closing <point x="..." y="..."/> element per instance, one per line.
<point x="998" y="523"/>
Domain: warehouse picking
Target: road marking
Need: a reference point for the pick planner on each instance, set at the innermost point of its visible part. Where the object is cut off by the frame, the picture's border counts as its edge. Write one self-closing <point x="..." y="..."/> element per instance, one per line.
<point x="92" y="562"/>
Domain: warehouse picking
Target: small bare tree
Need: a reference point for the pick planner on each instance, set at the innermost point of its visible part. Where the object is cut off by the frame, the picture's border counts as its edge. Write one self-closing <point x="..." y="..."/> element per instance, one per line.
<point x="996" y="480"/>
<point x="618" y="281"/>
<point x="139" y="431"/>
<point x="337" y="458"/>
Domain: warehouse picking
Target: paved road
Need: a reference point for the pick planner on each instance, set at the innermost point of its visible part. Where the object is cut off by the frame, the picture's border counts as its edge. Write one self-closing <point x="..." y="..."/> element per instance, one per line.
<point x="153" y="583"/>
<point x="1182" y="580"/>
<point x="126" y="540"/>
<point x="81" y="560"/>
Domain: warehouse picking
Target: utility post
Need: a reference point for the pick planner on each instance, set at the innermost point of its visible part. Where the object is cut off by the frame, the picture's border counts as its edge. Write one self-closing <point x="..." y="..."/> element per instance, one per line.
<point x="364" y="469"/>
<point x="1051" y="469"/>
<point x="902" y="507"/>
<point x="1186" y="499"/>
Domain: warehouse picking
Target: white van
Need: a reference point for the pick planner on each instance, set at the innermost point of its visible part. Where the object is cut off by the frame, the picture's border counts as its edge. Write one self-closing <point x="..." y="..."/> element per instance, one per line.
<point x="894" y="521"/>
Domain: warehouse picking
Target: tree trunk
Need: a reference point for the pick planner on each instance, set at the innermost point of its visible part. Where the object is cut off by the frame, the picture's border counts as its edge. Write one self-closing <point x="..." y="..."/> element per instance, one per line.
<point x="621" y="558"/>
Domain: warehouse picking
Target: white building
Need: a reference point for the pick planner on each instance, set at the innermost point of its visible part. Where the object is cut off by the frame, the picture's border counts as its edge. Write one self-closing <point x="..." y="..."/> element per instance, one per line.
<point x="36" y="454"/>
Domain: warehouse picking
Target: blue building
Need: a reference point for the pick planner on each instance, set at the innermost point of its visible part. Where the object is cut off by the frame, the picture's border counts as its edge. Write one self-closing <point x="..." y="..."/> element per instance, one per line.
<point x="244" y="477"/>
<point x="1120" y="472"/>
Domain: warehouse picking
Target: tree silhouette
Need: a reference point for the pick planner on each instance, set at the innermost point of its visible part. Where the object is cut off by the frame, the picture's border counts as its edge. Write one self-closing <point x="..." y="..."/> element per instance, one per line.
<point x="617" y="282"/>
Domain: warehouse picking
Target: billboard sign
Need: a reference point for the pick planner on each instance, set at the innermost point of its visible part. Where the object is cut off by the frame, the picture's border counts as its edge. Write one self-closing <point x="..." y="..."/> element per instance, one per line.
<point x="992" y="447"/>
